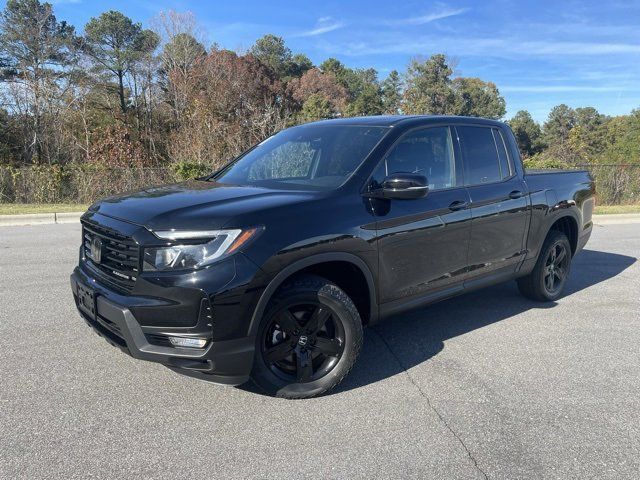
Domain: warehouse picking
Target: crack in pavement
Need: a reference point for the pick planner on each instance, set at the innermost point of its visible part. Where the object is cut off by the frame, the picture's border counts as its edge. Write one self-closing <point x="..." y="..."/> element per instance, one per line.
<point x="426" y="397"/>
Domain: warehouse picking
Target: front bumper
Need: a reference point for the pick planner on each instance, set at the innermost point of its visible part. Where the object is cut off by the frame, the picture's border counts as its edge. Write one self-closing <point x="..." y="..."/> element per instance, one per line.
<point x="226" y="361"/>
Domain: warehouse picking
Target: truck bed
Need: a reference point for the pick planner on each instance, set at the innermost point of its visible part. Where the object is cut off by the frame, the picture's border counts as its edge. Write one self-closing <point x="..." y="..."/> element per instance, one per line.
<point x="539" y="171"/>
<point x="565" y="182"/>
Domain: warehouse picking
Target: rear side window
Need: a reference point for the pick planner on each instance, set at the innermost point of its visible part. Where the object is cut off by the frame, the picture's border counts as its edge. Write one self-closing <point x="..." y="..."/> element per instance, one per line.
<point x="480" y="155"/>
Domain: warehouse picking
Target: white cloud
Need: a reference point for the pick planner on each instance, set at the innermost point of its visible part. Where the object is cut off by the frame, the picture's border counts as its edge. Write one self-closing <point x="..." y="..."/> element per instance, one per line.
<point x="564" y="88"/>
<point x="428" y="18"/>
<point x="574" y="48"/>
<point x="492" y="47"/>
<point x="323" y="25"/>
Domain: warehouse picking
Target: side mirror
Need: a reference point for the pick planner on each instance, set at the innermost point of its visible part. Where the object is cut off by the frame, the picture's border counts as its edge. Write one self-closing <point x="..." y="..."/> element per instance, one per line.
<point x="403" y="186"/>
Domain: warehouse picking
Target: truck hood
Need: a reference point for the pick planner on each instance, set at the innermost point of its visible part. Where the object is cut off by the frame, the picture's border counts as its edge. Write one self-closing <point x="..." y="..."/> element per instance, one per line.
<point x="195" y="204"/>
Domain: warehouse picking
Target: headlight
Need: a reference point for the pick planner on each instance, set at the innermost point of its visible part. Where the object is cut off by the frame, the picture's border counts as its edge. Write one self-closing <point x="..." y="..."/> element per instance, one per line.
<point x="212" y="246"/>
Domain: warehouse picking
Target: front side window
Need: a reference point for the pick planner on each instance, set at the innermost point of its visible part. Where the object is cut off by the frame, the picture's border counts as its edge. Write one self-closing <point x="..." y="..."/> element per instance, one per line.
<point x="319" y="157"/>
<point x="480" y="155"/>
<point x="427" y="152"/>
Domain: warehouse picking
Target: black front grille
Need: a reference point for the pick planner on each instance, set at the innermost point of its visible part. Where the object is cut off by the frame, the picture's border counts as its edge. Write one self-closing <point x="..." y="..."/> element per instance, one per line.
<point x="119" y="264"/>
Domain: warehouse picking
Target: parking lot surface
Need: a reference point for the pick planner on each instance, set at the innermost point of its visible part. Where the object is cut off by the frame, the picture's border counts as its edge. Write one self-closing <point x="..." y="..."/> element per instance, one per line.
<point x="487" y="385"/>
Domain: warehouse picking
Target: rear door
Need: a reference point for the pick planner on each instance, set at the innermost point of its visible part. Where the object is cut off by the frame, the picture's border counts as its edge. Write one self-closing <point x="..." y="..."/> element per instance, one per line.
<point x="499" y="208"/>
<point x="423" y="242"/>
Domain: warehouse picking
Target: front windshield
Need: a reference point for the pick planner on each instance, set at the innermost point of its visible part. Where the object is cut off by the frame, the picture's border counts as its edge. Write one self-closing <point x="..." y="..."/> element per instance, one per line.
<point x="319" y="157"/>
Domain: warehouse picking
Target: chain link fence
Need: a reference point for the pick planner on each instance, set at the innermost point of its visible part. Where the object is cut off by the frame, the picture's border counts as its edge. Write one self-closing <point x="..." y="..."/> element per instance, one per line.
<point x="615" y="184"/>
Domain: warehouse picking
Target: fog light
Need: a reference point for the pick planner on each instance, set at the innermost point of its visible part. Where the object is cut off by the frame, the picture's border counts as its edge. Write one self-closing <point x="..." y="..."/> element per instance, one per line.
<point x="188" y="342"/>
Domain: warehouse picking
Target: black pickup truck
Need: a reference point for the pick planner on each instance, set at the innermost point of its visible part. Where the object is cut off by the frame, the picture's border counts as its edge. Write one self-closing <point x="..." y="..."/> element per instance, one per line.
<point x="269" y="268"/>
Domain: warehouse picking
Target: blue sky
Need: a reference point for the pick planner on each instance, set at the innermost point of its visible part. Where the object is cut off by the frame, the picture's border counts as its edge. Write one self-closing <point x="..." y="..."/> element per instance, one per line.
<point x="539" y="53"/>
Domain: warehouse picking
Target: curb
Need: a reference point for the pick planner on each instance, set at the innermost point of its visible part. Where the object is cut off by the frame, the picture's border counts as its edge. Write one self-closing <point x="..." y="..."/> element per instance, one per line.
<point x="39" y="219"/>
<point x="616" y="219"/>
<point x="68" y="217"/>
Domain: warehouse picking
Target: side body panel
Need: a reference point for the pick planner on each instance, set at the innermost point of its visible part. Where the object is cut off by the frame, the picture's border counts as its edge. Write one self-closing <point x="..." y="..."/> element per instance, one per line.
<point x="335" y="229"/>
<point x="498" y="227"/>
<point x="555" y="195"/>
<point x="422" y="244"/>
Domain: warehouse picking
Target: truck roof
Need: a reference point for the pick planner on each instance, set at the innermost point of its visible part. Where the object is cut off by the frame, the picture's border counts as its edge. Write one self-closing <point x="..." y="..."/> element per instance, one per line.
<point x="393" y="120"/>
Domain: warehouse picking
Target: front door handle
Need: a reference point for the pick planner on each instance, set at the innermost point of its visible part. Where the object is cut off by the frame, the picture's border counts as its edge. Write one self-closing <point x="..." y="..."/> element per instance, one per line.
<point x="516" y="194"/>
<point x="458" y="205"/>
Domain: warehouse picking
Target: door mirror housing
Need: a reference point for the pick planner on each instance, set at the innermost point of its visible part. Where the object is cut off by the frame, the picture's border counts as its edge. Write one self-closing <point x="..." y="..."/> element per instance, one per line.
<point x="402" y="186"/>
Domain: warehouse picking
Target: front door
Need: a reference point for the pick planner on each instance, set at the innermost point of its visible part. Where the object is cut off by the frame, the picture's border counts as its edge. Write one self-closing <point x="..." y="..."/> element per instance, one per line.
<point x="422" y="243"/>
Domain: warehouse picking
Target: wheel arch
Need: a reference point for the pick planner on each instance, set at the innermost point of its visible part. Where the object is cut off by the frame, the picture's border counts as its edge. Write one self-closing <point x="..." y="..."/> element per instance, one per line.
<point x="314" y="264"/>
<point x="567" y="224"/>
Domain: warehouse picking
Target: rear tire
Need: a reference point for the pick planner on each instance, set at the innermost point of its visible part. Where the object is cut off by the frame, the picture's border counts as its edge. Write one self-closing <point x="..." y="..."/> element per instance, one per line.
<point x="546" y="281"/>
<point x="308" y="339"/>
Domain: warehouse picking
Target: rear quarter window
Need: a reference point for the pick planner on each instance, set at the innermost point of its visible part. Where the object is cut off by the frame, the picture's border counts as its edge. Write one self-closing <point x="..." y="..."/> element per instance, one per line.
<point x="506" y="170"/>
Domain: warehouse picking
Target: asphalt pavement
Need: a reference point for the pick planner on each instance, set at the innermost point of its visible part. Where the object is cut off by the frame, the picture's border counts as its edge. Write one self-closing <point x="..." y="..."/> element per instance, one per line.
<point x="487" y="385"/>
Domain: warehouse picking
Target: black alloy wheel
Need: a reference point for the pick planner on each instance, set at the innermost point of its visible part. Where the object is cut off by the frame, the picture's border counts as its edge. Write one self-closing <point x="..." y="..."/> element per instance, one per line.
<point x="549" y="276"/>
<point x="556" y="268"/>
<point x="303" y="342"/>
<point x="308" y="340"/>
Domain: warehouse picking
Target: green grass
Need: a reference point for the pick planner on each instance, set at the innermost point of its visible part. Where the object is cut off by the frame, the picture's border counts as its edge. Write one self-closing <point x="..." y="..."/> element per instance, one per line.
<point x="611" y="209"/>
<point x="22" y="208"/>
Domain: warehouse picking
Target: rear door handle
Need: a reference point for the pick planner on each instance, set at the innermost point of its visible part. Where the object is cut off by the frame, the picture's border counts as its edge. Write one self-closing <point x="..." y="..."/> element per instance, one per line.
<point x="458" y="205"/>
<point x="516" y="194"/>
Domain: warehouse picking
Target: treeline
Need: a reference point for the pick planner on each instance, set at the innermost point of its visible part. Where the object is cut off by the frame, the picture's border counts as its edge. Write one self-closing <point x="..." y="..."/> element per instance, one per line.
<point x="578" y="137"/>
<point x="608" y="146"/>
<point x="120" y="95"/>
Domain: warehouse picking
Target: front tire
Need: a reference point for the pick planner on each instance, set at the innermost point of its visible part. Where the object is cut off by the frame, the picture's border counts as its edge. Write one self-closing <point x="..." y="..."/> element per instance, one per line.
<point x="308" y="339"/>
<point x="546" y="281"/>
